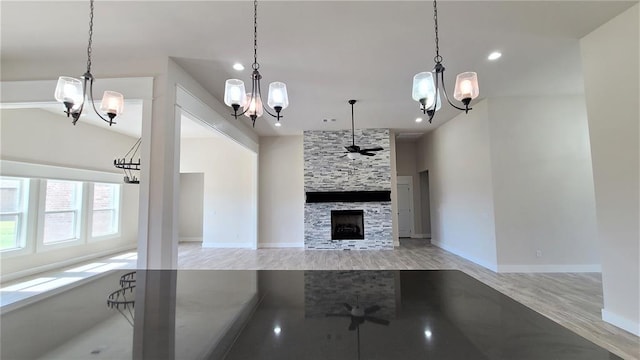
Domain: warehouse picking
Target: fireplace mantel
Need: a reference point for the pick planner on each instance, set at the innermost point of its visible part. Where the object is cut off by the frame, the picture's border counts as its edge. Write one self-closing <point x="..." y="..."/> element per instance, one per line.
<point x="347" y="196"/>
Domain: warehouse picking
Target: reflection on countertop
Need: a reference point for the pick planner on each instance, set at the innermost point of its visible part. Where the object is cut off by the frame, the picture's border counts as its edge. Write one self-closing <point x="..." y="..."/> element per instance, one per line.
<point x="209" y="314"/>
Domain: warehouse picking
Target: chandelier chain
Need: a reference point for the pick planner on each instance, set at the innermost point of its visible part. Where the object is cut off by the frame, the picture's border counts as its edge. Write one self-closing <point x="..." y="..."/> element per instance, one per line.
<point x="255" y="35"/>
<point x="437" y="58"/>
<point x="90" y="37"/>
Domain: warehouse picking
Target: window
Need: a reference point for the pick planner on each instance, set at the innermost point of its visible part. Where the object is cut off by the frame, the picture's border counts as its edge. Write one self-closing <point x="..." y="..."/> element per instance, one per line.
<point x="13" y="192"/>
<point x="106" y="199"/>
<point x="62" y="208"/>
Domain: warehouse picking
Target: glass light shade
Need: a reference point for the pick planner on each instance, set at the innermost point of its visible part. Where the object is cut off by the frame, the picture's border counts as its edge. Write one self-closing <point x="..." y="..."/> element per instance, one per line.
<point x="69" y="90"/>
<point x="234" y="92"/>
<point x="253" y="106"/>
<point x="278" y="95"/>
<point x="353" y="156"/>
<point x="112" y="102"/>
<point x="466" y="86"/>
<point x="424" y="88"/>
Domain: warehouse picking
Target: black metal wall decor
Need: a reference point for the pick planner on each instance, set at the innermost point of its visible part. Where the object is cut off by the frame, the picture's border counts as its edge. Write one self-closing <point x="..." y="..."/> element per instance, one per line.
<point x="128" y="164"/>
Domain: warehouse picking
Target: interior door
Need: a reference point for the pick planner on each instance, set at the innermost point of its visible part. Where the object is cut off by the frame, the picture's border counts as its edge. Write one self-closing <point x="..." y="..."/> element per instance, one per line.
<point x="405" y="217"/>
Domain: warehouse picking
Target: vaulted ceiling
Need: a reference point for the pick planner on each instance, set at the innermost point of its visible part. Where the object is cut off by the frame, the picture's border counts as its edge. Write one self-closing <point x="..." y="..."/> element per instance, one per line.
<point x="326" y="51"/>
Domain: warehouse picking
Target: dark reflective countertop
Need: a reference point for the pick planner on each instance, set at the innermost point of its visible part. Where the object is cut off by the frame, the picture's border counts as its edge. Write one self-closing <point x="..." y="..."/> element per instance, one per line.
<point x="206" y="314"/>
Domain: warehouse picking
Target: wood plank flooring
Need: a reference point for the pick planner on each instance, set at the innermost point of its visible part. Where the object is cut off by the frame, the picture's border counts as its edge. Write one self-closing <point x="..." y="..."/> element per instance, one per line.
<point x="572" y="300"/>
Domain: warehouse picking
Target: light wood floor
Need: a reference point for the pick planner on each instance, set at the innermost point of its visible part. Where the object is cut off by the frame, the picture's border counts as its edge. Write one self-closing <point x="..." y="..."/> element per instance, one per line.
<point x="572" y="300"/>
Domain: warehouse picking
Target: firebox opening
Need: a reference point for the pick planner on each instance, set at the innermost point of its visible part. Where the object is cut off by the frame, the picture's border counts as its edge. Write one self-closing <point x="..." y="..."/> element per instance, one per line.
<point x="347" y="225"/>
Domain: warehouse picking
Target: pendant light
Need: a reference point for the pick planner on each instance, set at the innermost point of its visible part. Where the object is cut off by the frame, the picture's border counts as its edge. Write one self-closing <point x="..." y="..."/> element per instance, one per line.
<point x="426" y="85"/>
<point x="73" y="92"/>
<point x="251" y="103"/>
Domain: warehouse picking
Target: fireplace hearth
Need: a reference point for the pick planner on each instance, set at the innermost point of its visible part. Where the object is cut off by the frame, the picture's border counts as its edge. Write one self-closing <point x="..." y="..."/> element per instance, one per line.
<point x="347" y="225"/>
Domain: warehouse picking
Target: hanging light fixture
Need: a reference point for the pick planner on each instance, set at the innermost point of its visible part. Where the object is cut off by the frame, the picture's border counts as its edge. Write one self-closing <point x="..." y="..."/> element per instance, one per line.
<point x="251" y="103"/>
<point x="72" y="92"/>
<point x="128" y="164"/>
<point x="426" y="85"/>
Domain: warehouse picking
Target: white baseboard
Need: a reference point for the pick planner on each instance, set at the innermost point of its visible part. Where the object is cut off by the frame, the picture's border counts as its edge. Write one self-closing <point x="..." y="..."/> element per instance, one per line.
<point x="621" y="322"/>
<point x="587" y="268"/>
<point x="280" y="245"/>
<point x="420" y="236"/>
<point x="65" y="263"/>
<point x="483" y="263"/>
<point x="229" y="245"/>
<point x="191" y="239"/>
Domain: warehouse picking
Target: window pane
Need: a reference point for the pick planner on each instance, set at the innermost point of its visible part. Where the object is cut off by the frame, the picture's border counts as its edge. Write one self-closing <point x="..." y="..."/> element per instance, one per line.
<point x="59" y="226"/>
<point x="10" y="195"/>
<point x="9" y="231"/>
<point x="104" y="196"/>
<point x="104" y="222"/>
<point x="61" y="195"/>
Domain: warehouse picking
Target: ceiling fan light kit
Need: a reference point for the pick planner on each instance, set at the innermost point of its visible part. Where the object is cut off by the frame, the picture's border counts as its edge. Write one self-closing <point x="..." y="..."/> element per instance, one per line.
<point x="235" y="94"/>
<point x="72" y="92"/>
<point x="427" y="85"/>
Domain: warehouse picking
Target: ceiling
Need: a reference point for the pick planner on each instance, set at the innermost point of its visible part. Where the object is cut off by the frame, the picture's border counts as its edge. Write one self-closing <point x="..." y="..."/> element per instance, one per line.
<point x="326" y="51"/>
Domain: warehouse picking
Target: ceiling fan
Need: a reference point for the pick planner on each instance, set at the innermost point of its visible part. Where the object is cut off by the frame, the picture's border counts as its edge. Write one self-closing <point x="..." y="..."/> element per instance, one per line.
<point x="359" y="315"/>
<point x="354" y="151"/>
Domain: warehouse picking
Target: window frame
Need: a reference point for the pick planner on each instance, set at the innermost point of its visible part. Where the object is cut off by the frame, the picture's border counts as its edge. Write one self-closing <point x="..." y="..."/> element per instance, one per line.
<point x="28" y="194"/>
<point x="90" y="210"/>
<point x="80" y="217"/>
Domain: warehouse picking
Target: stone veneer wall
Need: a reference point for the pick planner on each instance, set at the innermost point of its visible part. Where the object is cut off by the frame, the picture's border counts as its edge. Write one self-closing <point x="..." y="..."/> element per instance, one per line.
<point x="325" y="170"/>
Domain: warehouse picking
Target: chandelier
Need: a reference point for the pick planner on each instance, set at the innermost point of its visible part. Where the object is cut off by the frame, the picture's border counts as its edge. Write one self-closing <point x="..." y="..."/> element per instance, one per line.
<point x="426" y="85"/>
<point x="72" y="92"/>
<point x="251" y="103"/>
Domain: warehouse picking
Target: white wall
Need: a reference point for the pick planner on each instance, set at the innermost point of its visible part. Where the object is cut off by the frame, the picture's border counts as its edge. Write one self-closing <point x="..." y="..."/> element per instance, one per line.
<point x="458" y="159"/>
<point x="281" y="192"/>
<point x="40" y="137"/>
<point x="406" y="166"/>
<point x="610" y="62"/>
<point x="190" y="210"/>
<point x="229" y="189"/>
<point x="542" y="184"/>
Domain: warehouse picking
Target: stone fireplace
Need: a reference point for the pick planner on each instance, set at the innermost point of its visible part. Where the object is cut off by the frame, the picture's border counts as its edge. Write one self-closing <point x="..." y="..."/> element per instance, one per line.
<point x="348" y="202"/>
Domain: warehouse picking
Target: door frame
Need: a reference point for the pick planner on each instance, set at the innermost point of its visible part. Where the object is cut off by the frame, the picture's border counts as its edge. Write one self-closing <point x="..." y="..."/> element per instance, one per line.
<point x="408" y="180"/>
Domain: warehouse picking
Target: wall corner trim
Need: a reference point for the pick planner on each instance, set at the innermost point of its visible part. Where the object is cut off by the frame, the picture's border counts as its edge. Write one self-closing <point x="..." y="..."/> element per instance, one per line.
<point x="621" y="322"/>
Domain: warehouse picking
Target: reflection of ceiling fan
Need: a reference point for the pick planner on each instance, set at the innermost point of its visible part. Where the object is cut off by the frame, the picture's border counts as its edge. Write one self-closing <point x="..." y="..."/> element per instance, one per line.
<point x="359" y="315"/>
<point x="354" y="151"/>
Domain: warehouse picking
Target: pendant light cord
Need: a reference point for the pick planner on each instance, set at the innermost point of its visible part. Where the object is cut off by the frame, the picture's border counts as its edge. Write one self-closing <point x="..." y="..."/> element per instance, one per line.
<point x="90" y="36"/>
<point x="437" y="58"/>
<point x="255" y="65"/>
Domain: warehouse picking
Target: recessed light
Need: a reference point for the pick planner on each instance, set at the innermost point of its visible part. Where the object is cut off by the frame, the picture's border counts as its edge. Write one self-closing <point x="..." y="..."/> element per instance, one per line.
<point x="418" y="120"/>
<point x="494" y="55"/>
<point x="278" y="124"/>
<point x="238" y="66"/>
<point x="428" y="334"/>
<point x="277" y="330"/>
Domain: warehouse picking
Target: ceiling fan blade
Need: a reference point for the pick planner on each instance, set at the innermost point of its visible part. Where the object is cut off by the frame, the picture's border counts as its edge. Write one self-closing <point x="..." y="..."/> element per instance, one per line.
<point x="371" y="309"/>
<point x="347" y="306"/>
<point x="342" y="156"/>
<point x="377" y="148"/>
<point x="376" y="320"/>
<point x="366" y="153"/>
